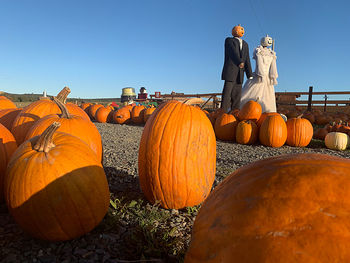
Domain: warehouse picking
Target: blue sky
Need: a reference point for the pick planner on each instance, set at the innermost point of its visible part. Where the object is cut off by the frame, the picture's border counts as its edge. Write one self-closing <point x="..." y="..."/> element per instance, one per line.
<point x="99" y="47"/>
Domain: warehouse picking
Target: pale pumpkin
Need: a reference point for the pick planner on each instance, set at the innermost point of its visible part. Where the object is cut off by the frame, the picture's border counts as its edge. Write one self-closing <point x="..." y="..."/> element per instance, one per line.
<point x="337" y="141"/>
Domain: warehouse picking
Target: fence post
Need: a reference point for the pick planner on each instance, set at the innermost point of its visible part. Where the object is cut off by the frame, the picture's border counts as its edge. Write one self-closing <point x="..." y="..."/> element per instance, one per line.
<point x="310" y="99"/>
<point x="325" y="103"/>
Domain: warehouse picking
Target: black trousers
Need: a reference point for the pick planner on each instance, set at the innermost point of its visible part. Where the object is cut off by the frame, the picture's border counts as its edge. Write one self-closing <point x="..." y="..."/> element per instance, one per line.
<point x="231" y="96"/>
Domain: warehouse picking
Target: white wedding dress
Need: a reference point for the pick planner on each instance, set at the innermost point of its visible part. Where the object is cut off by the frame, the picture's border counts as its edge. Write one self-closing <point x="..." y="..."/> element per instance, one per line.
<point x="261" y="86"/>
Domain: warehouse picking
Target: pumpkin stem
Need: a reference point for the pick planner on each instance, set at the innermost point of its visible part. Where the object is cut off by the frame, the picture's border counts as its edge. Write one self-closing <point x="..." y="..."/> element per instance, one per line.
<point x="44" y="143"/>
<point x="300" y="116"/>
<point x="65" y="113"/>
<point x="62" y="96"/>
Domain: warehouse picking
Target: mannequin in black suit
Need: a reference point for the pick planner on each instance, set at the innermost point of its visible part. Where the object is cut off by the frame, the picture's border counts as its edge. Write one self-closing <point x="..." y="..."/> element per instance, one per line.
<point x="237" y="62"/>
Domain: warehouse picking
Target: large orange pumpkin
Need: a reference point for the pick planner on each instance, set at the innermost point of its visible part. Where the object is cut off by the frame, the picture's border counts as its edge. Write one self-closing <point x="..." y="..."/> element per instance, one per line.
<point x="225" y="127"/>
<point x="6" y="103"/>
<point x="103" y="114"/>
<point x="263" y="117"/>
<point x="177" y="156"/>
<point x="273" y="131"/>
<point x="55" y="188"/>
<point x="71" y="124"/>
<point x="33" y="112"/>
<point x="8" y="146"/>
<point x="122" y="115"/>
<point x="299" y="132"/>
<point x="291" y="208"/>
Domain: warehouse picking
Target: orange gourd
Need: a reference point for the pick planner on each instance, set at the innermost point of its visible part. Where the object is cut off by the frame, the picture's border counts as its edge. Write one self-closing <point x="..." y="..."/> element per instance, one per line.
<point x="238" y="31"/>
<point x="55" y="188"/>
<point x="177" y="156"/>
<point x="103" y="115"/>
<point x="290" y="208"/>
<point x="76" y="110"/>
<point x="137" y="114"/>
<point x="6" y="103"/>
<point x="122" y="115"/>
<point x="263" y="117"/>
<point x="93" y="109"/>
<point x="148" y="112"/>
<point x="251" y="110"/>
<point x="273" y="131"/>
<point x="8" y="116"/>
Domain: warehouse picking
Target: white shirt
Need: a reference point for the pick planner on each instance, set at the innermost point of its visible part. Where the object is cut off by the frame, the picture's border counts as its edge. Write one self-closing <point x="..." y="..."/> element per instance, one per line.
<point x="240" y="42"/>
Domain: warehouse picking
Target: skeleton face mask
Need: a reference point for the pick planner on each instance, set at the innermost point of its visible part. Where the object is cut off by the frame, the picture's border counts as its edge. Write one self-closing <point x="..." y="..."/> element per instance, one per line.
<point x="266" y="41"/>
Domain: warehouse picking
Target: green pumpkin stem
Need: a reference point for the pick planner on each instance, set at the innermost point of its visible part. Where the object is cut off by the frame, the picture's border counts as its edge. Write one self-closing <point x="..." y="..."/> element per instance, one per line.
<point x="44" y="143"/>
<point x="65" y="113"/>
<point x="62" y="96"/>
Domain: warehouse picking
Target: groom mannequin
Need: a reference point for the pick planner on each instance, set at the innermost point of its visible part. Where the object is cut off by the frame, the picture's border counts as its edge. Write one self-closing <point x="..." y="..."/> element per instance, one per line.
<point x="237" y="62"/>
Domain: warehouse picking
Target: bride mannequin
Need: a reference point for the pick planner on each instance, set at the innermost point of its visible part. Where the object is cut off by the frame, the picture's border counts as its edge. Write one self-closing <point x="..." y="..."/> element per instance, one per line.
<point x="261" y="86"/>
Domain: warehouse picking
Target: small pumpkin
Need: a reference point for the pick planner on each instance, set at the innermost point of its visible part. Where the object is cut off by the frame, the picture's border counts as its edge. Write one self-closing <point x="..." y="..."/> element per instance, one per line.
<point x="238" y="31"/>
<point x="337" y="141"/>
<point x="273" y="131"/>
<point x="93" y="109"/>
<point x="137" y="114"/>
<point x="247" y="132"/>
<point x="55" y="188"/>
<point x="103" y="115"/>
<point x="299" y="132"/>
<point x="225" y="127"/>
<point x="251" y="110"/>
<point x="148" y="112"/>
<point x="122" y="116"/>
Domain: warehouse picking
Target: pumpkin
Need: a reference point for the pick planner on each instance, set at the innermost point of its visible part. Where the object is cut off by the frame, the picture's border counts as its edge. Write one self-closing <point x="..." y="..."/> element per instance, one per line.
<point x="76" y="110"/>
<point x="123" y="115"/>
<point x="93" y="109"/>
<point x="7" y="116"/>
<point x="225" y="127"/>
<point x="84" y="105"/>
<point x="251" y="110"/>
<point x="8" y="146"/>
<point x="103" y="114"/>
<point x="238" y="31"/>
<point x="290" y="208"/>
<point x="177" y="156"/>
<point x="137" y="114"/>
<point x="148" y="112"/>
<point x="247" y="132"/>
<point x="273" y="131"/>
<point x="33" y="112"/>
<point x="55" y="188"/>
<point x="263" y="117"/>
<point x="6" y="103"/>
<point x="337" y="141"/>
<point x="71" y="124"/>
<point x="320" y="133"/>
<point x="299" y="132"/>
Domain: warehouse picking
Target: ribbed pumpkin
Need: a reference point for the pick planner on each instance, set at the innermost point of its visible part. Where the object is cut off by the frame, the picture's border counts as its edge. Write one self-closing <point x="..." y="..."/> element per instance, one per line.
<point x="6" y="103"/>
<point x="247" y="132"/>
<point x="137" y="114"/>
<point x="291" y="208"/>
<point x="263" y="117"/>
<point x="177" y="156"/>
<point x="55" y="188"/>
<point x="251" y="110"/>
<point x="71" y="124"/>
<point x="122" y="115"/>
<point x="33" y="112"/>
<point x="8" y="146"/>
<point x="93" y="109"/>
<point x="337" y="141"/>
<point x="7" y="116"/>
<point x="84" y="105"/>
<point x="225" y="127"/>
<point x="103" y="114"/>
<point x="148" y="112"/>
<point x="273" y="131"/>
<point x="76" y="110"/>
<point x="299" y="132"/>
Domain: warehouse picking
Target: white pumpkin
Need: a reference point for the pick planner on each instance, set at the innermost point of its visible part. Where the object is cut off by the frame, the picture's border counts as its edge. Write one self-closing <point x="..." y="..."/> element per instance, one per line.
<point x="337" y="141"/>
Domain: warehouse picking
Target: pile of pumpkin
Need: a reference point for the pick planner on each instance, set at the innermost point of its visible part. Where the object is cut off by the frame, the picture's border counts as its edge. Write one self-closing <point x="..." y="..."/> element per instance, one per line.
<point x="249" y="125"/>
<point x="51" y="175"/>
<point x="132" y="113"/>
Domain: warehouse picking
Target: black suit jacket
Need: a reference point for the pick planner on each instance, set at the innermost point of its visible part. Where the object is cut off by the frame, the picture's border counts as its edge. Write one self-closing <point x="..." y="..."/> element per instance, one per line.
<point x="233" y="57"/>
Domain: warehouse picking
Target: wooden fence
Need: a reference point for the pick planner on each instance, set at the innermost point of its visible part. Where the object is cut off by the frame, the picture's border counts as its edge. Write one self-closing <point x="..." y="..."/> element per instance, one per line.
<point x="288" y="99"/>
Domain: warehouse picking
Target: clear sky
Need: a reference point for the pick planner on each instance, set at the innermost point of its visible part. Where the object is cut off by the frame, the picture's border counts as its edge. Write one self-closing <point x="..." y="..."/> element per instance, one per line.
<point x="99" y="47"/>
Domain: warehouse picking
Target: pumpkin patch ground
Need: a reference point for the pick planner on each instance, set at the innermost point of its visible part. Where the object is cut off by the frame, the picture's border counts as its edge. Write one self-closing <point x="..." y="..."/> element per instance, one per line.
<point x="134" y="229"/>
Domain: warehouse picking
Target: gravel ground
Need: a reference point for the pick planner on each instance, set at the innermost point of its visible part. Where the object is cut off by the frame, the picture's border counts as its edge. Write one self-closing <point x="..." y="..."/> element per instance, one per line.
<point x="133" y="229"/>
